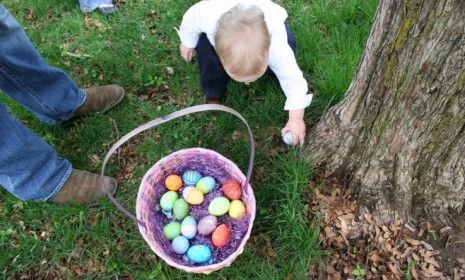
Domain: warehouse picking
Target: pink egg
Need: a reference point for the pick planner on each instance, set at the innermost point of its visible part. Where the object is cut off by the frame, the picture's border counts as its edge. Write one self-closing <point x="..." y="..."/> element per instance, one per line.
<point x="207" y="225"/>
<point x="232" y="189"/>
<point x="220" y="236"/>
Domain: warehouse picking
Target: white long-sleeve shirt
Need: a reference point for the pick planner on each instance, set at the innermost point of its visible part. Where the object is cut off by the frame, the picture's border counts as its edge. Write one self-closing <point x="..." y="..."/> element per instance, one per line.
<point x="203" y="17"/>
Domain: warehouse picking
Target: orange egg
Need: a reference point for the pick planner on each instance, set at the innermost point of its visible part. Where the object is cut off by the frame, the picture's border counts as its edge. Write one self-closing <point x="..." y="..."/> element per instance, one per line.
<point x="232" y="189"/>
<point x="220" y="236"/>
<point x="173" y="182"/>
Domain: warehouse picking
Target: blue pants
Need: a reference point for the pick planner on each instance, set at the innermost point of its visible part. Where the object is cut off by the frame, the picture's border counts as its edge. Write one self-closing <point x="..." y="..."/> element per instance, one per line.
<point x="29" y="168"/>
<point x="90" y="5"/>
<point x="213" y="78"/>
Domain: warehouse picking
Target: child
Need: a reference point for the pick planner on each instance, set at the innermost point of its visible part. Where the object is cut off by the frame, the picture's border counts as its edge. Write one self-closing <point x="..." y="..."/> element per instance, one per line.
<point x="240" y="39"/>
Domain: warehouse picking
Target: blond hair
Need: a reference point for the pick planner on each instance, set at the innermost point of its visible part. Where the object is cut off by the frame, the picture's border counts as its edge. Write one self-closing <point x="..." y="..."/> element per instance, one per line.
<point x="242" y="41"/>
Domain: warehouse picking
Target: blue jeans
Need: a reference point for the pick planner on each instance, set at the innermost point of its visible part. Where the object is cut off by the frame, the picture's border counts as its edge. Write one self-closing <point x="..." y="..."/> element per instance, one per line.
<point x="90" y="5"/>
<point x="29" y="168"/>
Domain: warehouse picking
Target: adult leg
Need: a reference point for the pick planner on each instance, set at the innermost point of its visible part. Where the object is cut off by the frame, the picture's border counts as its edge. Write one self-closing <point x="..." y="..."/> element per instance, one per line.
<point x="213" y="78"/>
<point x="46" y="91"/>
<point x="29" y="168"/>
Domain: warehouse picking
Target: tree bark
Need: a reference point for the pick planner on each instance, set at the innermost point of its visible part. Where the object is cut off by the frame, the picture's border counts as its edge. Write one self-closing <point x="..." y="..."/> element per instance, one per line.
<point x="398" y="137"/>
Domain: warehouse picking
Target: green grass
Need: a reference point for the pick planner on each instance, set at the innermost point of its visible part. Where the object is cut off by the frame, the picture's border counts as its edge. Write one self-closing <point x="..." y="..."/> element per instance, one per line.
<point x="133" y="48"/>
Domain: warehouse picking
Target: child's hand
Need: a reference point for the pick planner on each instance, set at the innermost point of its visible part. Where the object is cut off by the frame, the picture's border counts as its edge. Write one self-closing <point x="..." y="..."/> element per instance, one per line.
<point x="296" y="126"/>
<point x="186" y="52"/>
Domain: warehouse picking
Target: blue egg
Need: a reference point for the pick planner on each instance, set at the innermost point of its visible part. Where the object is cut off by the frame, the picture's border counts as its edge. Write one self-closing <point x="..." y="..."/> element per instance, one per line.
<point x="199" y="254"/>
<point x="206" y="184"/>
<point x="180" y="244"/>
<point x="191" y="177"/>
<point x="189" y="227"/>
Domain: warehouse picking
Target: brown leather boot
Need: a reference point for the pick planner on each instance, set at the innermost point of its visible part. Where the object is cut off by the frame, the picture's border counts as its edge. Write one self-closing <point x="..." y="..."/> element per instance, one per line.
<point x="100" y="99"/>
<point x="83" y="187"/>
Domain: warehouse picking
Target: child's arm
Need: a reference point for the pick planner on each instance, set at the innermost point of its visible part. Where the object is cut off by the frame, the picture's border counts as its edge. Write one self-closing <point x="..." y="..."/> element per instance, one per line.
<point x="186" y="52"/>
<point x="190" y="30"/>
<point x="295" y="88"/>
<point x="283" y="63"/>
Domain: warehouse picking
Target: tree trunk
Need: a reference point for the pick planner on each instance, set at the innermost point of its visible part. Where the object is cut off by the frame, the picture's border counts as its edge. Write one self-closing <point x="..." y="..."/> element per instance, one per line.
<point x="398" y="137"/>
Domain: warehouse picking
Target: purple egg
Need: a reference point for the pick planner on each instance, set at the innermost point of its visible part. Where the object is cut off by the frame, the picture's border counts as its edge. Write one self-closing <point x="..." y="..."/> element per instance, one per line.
<point x="207" y="225"/>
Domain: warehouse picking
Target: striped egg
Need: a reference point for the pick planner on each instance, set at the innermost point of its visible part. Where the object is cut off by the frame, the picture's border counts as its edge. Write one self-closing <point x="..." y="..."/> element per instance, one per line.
<point x="191" y="177"/>
<point x="186" y="191"/>
<point x="189" y="227"/>
<point x="206" y="184"/>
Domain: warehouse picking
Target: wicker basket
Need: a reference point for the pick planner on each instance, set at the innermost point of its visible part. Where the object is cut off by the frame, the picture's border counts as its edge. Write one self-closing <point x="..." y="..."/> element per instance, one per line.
<point x="208" y="163"/>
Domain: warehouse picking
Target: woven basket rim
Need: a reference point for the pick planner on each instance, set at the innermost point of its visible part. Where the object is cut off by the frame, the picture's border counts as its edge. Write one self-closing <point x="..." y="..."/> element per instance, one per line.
<point x="207" y="268"/>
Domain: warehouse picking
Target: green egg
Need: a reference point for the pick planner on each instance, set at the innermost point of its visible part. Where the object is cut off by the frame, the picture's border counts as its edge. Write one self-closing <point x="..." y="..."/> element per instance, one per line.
<point x="180" y="208"/>
<point x="206" y="184"/>
<point x="219" y="206"/>
<point x="167" y="200"/>
<point x="172" y="230"/>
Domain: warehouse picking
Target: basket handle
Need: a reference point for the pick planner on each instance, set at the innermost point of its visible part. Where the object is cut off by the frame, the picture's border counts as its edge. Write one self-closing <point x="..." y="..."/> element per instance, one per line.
<point x="167" y="118"/>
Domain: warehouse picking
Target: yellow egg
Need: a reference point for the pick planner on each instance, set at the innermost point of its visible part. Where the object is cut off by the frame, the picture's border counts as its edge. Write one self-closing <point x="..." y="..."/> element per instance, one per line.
<point x="237" y="209"/>
<point x="173" y="182"/>
<point x="194" y="196"/>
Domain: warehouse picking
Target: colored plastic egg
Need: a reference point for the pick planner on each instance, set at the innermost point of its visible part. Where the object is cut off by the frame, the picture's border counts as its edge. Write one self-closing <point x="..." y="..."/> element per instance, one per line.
<point x="194" y="196"/>
<point x="180" y="244"/>
<point x="185" y="191"/>
<point x="237" y="209"/>
<point x="189" y="227"/>
<point x="219" y="206"/>
<point x="172" y="230"/>
<point x="207" y="224"/>
<point x="167" y="200"/>
<point x="180" y="209"/>
<point x="206" y="184"/>
<point x="232" y="189"/>
<point x="220" y="236"/>
<point x="199" y="254"/>
<point x="191" y="177"/>
<point x="287" y="138"/>
<point x="173" y="182"/>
